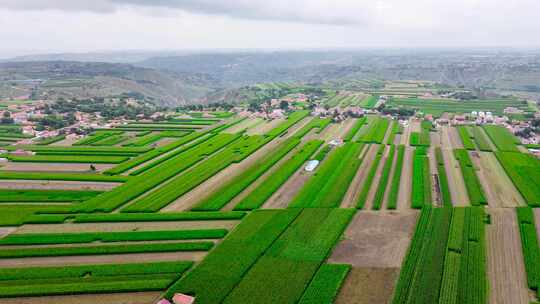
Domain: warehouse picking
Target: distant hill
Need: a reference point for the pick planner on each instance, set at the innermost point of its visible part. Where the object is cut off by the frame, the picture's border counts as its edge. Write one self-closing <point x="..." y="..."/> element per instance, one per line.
<point x="53" y="79"/>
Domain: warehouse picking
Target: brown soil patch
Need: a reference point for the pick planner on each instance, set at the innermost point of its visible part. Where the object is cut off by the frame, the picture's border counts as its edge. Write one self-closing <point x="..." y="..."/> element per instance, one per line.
<point x="107" y="298"/>
<point x="416" y="125"/>
<point x="458" y="192"/>
<point x="332" y="131"/>
<point x="246" y="124"/>
<point x="54" y="167"/>
<point x="435" y="189"/>
<point x="285" y="194"/>
<point x="405" y="187"/>
<point x="455" y="140"/>
<point x="375" y="183"/>
<point x="264" y="127"/>
<point x="506" y="270"/>
<point x="368" y="286"/>
<point x="351" y="197"/>
<point x="58" y="185"/>
<point x="405" y="137"/>
<point x="376" y="239"/>
<point x="65" y="142"/>
<point x="211" y="185"/>
<point x="104" y="259"/>
<point x="128" y="226"/>
<point x="497" y="186"/>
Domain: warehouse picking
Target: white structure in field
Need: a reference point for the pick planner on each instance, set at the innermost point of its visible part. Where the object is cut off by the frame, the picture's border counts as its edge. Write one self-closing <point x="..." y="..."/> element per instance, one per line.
<point x="311" y="165"/>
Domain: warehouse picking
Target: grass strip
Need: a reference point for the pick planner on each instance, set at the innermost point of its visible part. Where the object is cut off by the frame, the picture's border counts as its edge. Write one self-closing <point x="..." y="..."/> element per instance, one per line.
<point x="366" y="186"/>
<point x="396" y="179"/>
<point x="325" y="285"/>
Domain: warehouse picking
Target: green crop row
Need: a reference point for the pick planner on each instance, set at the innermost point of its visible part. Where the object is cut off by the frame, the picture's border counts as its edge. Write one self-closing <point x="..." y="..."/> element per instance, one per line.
<point x="325" y="285"/>
<point x="376" y="131"/>
<point x="396" y="179"/>
<point x="50" y="140"/>
<point x="61" y="176"/>
<point x="530" y="246"/>
<point x="355" y="128"/>
<point x="104" y="249"/>
<point x="95" y="137"/>
<point x="502" y="138"/>
<point x="321" y="155"/>
<point x="466" y="138"/>
<point x="182" y="183"/>
<point x="421" y="138"/>
<point x="101" y="159"/>
<point x="132" y="163"/>
<point x="291" y="120"/>
<point x="136" y="217"/>
<point x="90" y="286"/>
<point x="110" y="141"/>
<point x="227" y="191"/>
<point x="472" y="183"/>
<point x="271" y="184"/>
<point x="422" y="270"/>
<point x="285" y="270"/>
<point x="76" y="149"/>
<point x="524" y="171"/>
<point x="394" y="129"/>
<point x="156" y="176"/>
<point x="421" y="182"/>
<point x="225" y="266"/>
<point x="481" y="139"/>
<point x="129" y="236"/>
<point x="142" y="140"/>
<point x="366" y="186"/>
<point x="316" y="123"/>
<point x="98" y="270"/>
<point x="385" y="177"/>
<point x="331" y="181"/>
<point x="30" y="195"/>
<point x="443" y="178"/>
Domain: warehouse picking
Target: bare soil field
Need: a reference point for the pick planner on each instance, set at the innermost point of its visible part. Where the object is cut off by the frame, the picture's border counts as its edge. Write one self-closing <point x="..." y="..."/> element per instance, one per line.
<point x="333" y="131"/>
<point x="284" y="195"/>
<point x="104" y="259"/>
<point x="497" y="186"/>
<point x="126" y="226"/>
<point x="456" y="184"/>
<point x="351" y="197"/>
<point x="111" y="298"/>
<point x="415" y="125"/>
<point x="506" y="270"/>
<point x="246" y="124"/>
<point x="366" y="285"/>
<point x="373" y="189"/>
<point x="435" y="189"/>
<point x="56" y="185"/>
<point x="405" y="137"/>
<point x="162" y="142"/>
<point x="405" y="187"/>
<point x="65" y="142"/>
<point x="376" y="239"/>
<point x="264" y="127"/>
<point x="208" y="187"/>
<point x="455" y="140"/>
<point x="54" y="167"/>
<point x="260" y="180"/>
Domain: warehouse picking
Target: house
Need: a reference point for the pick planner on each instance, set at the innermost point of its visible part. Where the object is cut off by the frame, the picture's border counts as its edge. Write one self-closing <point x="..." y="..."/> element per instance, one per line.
<point x="180" y="298"/>
<point x="163" y="301"/>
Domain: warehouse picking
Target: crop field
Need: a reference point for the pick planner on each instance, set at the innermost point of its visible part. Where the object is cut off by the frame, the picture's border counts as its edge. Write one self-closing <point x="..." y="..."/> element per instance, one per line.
<point x="303" y="209"/>
<point x="437" y="107"/>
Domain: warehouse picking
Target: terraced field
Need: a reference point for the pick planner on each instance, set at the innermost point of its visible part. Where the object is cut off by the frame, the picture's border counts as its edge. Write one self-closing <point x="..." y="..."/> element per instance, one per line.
<point x="300" y="209"/>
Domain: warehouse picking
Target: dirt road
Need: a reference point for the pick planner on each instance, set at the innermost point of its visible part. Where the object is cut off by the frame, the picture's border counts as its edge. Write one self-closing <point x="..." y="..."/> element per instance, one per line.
<point x="497" y="186"/>
<point x="506" y="270"/>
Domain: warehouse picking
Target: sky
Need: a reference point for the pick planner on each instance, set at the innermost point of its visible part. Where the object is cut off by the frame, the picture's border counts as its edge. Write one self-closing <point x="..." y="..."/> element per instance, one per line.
<point x="57" y="26"/>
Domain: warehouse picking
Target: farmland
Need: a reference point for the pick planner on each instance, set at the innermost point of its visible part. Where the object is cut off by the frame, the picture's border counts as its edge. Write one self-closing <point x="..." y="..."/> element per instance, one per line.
<point x="297" y="209"/>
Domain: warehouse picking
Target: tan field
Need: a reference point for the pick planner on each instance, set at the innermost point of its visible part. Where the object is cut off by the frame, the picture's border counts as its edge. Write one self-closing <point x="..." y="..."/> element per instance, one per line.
<point x="56" y="185"/>
<point x="264" y="127"/>
<point x="497" y="186"/>
<point x="351" y="197"/>
<point x="405" y="187"/>
<point x="126" y="226"/>
<point x="54" y="167"/>
<point x="375" y="244"/>
<point x="113" y="298"/>
<point x="506" y="269"/>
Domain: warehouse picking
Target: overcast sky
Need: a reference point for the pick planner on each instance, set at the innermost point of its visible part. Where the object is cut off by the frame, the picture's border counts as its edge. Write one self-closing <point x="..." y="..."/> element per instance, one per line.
<point x="38" y="26"/>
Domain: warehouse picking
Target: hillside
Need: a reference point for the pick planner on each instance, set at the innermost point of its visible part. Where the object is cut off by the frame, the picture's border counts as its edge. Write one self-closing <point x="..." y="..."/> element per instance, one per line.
<point x="53" y="79"/>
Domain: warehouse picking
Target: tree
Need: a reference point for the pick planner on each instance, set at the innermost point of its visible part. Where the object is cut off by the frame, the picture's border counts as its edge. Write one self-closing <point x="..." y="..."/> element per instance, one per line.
<point x="284" y="105"/>
<point x="92" y="168"/>
<point x="6" y="118"/>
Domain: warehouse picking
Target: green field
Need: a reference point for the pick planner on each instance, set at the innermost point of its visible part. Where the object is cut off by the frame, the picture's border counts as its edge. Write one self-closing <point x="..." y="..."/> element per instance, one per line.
<point x="437" y="107"/>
